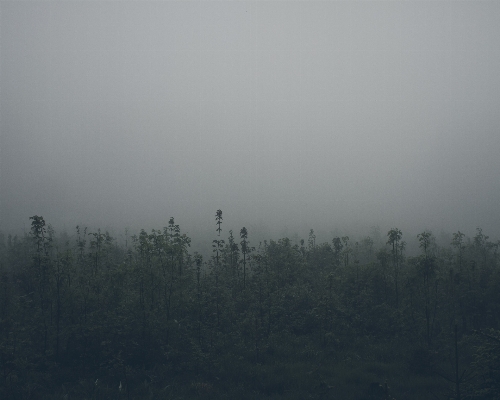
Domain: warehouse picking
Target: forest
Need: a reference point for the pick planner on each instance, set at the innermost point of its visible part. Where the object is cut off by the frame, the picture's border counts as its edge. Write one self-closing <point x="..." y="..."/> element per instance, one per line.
<point x="83" y="316"/>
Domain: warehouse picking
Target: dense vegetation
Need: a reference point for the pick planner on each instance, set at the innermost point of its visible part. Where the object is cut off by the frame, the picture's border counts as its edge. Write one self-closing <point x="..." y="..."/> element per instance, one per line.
<point x="83" y="317"/>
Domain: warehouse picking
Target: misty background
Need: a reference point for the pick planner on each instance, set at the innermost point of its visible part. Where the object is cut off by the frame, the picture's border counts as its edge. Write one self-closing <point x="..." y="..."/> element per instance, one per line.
<point x="288" y="116"/>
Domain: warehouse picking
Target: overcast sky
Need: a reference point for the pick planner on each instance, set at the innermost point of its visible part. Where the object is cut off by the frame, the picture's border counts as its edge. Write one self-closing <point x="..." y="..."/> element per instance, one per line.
<point x="323" y="115"/>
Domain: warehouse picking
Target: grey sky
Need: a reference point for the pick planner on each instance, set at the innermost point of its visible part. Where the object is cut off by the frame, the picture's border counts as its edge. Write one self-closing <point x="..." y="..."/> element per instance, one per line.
<point x="299" y="114"/>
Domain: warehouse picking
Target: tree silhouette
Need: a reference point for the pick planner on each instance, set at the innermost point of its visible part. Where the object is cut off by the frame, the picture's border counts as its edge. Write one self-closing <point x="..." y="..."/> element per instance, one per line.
<point x="394" y="240"/>
<point x="244" y="250"/>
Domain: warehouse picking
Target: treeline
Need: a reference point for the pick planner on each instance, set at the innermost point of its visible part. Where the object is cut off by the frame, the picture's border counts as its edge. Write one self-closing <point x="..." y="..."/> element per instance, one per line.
<point x="83" y="317"/>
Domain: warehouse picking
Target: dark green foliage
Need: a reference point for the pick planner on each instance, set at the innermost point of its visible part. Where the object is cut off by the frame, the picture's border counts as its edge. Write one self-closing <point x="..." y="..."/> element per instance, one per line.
<point x="83" y="317"/>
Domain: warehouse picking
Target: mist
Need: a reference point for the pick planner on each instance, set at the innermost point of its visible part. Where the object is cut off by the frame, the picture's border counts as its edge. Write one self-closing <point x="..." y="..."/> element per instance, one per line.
<point x="287" y="116"/>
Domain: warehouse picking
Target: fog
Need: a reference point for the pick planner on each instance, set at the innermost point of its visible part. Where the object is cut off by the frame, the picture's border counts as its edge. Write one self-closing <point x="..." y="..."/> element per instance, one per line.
<point x="287" y="116"/>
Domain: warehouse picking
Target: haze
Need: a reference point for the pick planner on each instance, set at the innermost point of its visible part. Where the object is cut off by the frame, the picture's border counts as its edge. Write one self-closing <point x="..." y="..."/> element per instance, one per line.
<point x="285" y="115"/>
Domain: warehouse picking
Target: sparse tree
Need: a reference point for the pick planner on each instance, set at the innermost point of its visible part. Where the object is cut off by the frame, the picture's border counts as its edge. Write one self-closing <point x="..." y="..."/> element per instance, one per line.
<point x="244" y="250"/>
<point x="394" y="241"/>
